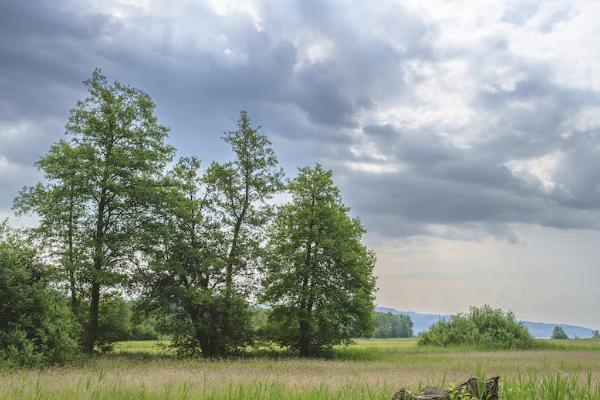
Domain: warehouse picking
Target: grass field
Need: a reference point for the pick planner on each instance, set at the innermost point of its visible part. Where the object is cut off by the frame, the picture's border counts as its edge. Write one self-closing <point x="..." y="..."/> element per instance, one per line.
<point x="369" y="369"/>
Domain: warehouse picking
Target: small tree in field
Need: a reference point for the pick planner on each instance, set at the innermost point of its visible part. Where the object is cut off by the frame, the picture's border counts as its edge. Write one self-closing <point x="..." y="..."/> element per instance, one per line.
<point x="318" y="277"/>
<point x="596" y="334"/>
<point x="559" y="333"/>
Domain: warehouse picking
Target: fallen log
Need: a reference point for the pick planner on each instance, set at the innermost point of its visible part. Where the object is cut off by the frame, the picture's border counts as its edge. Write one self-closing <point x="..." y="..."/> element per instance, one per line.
<point x="468" y="390"/>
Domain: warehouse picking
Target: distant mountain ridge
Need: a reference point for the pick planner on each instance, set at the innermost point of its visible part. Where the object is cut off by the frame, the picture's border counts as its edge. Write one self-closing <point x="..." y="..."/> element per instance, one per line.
<point x="423" y="321"/>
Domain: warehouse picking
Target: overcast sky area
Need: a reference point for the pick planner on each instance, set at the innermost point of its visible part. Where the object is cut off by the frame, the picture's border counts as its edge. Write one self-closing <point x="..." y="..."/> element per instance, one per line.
<point x="465" y="135"/>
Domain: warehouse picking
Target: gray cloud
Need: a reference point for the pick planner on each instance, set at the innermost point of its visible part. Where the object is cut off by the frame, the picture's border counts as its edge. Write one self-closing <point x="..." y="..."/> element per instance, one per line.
<point x="354" y="90"/>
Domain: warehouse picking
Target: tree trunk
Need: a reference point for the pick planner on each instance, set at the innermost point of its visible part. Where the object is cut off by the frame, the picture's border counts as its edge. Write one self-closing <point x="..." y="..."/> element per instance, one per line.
<point x="206" y="342"/>
<point x="92" y="333"/>
<point x="71" y="256"/>
<point x="306" y="302"/>
<point x="73" y="291"/>
<point x="304" y="341"/>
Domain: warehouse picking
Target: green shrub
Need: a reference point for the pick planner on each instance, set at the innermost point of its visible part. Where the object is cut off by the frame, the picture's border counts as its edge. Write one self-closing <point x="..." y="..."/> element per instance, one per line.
<point x="484" y="327"/>
<point x="36" y="325"/>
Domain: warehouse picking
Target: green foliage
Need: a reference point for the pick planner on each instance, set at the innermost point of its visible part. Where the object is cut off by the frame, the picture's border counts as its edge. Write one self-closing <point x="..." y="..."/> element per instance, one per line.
<point x="192" y="243"/>
<point x="36" y="326"/>
<point x="142" y="325"/>
<point x="388" y="325"/>
<point x="206" y="242"/>
<point x="318" y="276"/>
<point x="101" y="181"/>
<point x="559" y="333"/>
<point x="484" y="327"/>
<point x="596" y="334"/>
<point x="113" y="324"/>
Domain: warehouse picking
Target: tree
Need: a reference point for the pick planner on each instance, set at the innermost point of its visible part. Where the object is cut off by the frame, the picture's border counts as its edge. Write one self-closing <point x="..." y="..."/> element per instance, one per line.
<point x="559" y="333"/>
<point x="208" y="244"/>
<point x="186" y="273"/>
<point x="36" y="327"/>
<point x="388" y="325"/>
<point x="119" y="150"/>
<point x="61" y="209"/>
<point x="318" y="276"/>
<point x="243" y="189"/>
<point x="596" y="334"/>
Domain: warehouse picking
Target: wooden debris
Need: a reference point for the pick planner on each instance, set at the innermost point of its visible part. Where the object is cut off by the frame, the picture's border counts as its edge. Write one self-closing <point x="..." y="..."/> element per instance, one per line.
<point x="467" y="391"/>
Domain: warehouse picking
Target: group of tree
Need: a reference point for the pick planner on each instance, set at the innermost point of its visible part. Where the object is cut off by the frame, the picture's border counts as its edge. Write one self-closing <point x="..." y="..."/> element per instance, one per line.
<point x="199" y="246"/>
<point x="559" y="333"/>
<point x="483" y="327"/>
<point x="388" y="325"/>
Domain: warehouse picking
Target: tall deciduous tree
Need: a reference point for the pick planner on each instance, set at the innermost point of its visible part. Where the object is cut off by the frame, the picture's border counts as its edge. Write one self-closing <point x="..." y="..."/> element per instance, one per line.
<point x="61" y="209"/>
<point x="318" y="275"/>
<point x="207" y="243"/>
<point x="243" y="188"/>
<point x="186" y="272"/>
<point x="108" y="169"/>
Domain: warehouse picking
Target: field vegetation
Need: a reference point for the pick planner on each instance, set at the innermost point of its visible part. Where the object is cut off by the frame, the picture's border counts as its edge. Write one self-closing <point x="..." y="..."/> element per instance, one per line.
<point x="368" y="369"/>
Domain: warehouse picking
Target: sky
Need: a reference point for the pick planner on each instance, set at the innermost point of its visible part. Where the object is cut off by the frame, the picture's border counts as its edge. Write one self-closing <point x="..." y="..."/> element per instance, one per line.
<point x="464" y="134"/>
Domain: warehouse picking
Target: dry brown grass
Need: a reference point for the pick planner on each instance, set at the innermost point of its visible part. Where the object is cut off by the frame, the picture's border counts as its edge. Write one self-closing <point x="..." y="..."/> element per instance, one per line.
<point x="391" y="363"/>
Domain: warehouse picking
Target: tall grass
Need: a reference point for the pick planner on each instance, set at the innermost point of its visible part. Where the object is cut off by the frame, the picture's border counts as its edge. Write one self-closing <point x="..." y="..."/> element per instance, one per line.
<point x="369" y="369"/>
<point x="550" y="387"/>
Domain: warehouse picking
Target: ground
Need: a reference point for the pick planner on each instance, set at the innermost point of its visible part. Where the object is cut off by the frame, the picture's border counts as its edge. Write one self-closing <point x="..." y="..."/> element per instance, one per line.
<point x="368" y="369"/>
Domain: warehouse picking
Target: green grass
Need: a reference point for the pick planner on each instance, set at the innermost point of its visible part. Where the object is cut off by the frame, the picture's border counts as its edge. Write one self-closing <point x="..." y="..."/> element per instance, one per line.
<point x="369" y="369"/>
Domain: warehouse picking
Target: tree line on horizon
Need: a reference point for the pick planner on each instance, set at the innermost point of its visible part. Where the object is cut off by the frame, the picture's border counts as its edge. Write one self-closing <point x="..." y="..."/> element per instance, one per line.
<point x="200" y="244"/>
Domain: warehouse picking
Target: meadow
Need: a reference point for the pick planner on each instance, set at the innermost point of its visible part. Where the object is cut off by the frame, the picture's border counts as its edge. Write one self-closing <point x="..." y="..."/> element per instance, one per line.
<point x="368" y="369"/>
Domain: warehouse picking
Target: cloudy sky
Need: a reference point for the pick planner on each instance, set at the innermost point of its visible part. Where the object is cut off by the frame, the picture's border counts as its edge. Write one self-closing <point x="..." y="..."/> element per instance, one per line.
<point x="465" y="134"/>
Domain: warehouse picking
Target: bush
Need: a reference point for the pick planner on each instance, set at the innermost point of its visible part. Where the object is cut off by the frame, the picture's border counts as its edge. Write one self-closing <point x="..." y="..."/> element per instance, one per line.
<point x="36" y="325"/>
<point x="483" y="327"/>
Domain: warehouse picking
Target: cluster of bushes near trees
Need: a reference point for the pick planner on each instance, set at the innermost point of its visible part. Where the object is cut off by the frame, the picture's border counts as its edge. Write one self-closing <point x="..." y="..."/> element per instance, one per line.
<point x="199" y="246"/>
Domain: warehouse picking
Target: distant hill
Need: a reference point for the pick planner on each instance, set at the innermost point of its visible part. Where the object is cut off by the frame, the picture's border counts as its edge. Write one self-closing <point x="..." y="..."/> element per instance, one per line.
<point x="422" y="322"/>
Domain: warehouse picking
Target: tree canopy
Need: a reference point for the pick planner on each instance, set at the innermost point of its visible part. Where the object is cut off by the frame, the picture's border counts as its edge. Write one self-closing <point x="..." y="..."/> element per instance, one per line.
<point x="318" y="276"/>
<point x="202" y="249"/>
<point x="101" y="180"/>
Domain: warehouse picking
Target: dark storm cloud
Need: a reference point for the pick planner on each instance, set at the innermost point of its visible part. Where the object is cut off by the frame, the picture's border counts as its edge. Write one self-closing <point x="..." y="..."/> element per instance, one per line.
<point x="322" y="83"/>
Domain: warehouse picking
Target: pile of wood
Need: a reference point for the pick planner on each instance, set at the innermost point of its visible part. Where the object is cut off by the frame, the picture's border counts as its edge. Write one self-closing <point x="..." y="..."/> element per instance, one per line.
<point x="470" y="389"/>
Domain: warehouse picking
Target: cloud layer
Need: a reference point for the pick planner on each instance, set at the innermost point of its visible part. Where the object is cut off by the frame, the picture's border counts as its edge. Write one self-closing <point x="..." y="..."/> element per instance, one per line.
<point x="434" y="116"/>
<point x="443" y="119"/>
